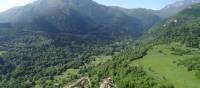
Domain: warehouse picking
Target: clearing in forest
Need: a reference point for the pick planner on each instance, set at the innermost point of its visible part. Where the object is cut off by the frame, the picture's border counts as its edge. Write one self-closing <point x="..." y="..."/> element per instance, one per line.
<point x="161" y="60"/>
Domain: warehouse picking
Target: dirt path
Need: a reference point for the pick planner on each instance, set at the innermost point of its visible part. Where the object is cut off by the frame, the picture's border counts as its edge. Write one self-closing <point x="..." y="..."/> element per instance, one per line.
<point x="106" y="83"/>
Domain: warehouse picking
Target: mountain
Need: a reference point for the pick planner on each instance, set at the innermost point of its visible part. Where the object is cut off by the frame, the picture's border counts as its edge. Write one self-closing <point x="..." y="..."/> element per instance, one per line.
<point x="146" y="16"/>
<point x="184" y="27"/>
<point x="53" y="43"/>
<point x="65" y="15"/>
<point x="166" y="56"/>
<point x="86" y="20"/>
<point x="172" y="48"/>
<point x="48" y="43"/>
<point x="176" y="7"/>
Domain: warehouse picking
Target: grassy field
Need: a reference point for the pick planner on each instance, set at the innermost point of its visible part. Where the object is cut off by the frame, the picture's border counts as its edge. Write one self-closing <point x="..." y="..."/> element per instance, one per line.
<point x="161" y="60"/>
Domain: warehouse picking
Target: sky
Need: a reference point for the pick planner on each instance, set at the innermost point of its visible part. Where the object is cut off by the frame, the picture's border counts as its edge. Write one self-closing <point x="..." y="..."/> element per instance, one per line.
<point x="150" y="4"/>
<point x="6" y="4"/>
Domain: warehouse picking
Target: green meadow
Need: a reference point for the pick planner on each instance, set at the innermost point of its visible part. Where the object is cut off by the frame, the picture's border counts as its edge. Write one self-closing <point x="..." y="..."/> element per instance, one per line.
<point x="161" y="60"/>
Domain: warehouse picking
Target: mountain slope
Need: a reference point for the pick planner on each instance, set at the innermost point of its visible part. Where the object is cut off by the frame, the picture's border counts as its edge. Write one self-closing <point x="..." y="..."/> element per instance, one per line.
<point x="165" y="61"/>
<point x="165" y="56"/>
<point x="184" y="27"/>
<point x="88" y="15"/>
<point x="176" y="7"/>
<point x="168" y="53"/>
<point x="50" y="43"/>
<point x="179" y="35"/>
<point x="42" y="40"/>
<point x="146" y="16"/>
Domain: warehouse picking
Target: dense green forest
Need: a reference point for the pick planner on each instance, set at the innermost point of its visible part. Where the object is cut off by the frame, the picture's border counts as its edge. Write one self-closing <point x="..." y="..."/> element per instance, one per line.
<point x="28" y="55"/>
<point x="182" y="29"/>
<point x="132" y="46"/>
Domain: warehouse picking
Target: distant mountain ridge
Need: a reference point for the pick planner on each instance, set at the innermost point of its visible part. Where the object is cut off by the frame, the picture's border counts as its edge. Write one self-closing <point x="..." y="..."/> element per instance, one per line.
<point x="176" y="7"/>
<point x="41" y="7"/>
<point x="50" y="43"/>
<point x="47" y="37"/>
<point x="183" y="3"/>
<point x="81" y="16"/>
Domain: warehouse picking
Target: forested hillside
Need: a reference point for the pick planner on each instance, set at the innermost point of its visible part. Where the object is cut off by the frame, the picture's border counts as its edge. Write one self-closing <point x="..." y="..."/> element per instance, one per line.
<point x="166" y="56"/>
<point x="52" y="44"/>
<point x="184" y="28"/>
<point x="44" y="39"/>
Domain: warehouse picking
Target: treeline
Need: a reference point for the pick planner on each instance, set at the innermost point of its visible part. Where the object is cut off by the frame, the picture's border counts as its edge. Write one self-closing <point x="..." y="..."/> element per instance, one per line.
<point x="123" y="73"/>
<point x="31" y="55"/>
<point x="183" y="28"/>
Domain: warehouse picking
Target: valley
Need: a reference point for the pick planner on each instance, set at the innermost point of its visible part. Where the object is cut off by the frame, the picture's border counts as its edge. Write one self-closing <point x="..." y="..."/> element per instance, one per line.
<point x="55" y="44"/>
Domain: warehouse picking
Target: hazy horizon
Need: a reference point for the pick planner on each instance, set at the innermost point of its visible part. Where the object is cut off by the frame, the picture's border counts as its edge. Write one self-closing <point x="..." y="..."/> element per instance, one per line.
<point x="130" y="4"/>
<point x="148" y="4"/>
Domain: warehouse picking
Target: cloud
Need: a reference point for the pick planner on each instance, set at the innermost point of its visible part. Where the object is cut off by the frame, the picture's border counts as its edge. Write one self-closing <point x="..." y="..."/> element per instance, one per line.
<point x="7" y="4"/>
